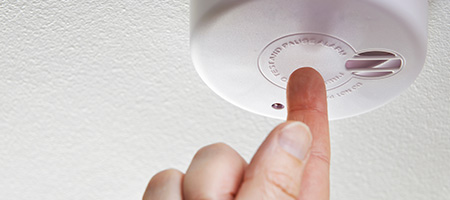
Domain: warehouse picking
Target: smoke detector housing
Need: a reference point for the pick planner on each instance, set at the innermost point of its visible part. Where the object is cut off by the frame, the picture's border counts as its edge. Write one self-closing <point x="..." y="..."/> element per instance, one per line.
<point x="368" y="51"/>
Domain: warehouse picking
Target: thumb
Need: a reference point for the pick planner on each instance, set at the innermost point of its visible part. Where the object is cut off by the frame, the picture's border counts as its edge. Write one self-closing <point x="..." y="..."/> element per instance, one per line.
<point x="276" y="170"/>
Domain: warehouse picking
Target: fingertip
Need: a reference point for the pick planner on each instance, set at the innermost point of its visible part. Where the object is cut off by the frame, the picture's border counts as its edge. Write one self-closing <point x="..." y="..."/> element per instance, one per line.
<point x="306" y="91"/>
<point x="296" y="139"/>
<point x="306" y="72"/>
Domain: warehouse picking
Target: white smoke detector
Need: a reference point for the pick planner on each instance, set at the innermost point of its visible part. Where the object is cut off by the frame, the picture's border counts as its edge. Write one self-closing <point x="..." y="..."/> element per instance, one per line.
<point x="368" y="51"/>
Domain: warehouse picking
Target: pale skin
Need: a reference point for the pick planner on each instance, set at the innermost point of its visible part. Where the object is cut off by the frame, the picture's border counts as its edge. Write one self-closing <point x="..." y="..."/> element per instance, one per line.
<point x="291" y="164"/>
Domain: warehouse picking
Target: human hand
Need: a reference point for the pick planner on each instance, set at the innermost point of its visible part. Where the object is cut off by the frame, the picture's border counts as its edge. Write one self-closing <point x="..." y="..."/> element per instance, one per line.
<point x="292" y="163"/>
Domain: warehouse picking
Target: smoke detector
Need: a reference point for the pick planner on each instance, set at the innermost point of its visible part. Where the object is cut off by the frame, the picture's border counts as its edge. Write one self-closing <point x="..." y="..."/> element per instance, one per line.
<point x="367" y="51"/>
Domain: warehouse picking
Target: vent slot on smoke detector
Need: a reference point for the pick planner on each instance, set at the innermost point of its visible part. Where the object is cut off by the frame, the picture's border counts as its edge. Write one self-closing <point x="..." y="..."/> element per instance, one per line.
<point x="374" y="64"/>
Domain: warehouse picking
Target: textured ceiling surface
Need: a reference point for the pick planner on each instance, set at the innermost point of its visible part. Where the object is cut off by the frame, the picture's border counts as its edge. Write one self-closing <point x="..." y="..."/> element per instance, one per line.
<point x="96" y="97"/>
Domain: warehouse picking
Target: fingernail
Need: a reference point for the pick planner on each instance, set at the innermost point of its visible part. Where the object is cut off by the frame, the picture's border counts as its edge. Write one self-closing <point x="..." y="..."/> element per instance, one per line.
<point x="296" y="139"/>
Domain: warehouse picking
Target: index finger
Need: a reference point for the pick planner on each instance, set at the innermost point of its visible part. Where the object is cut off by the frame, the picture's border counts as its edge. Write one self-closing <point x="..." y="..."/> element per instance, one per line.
<point x="307" y="102"/>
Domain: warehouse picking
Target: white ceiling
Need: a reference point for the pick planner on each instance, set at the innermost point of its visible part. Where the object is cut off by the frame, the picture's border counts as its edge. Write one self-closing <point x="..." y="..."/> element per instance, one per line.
<point x="96" y="97"/>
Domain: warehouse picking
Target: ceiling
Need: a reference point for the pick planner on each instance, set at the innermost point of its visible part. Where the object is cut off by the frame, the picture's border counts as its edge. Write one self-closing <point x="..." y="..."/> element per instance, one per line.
<point x="96" y="97"/>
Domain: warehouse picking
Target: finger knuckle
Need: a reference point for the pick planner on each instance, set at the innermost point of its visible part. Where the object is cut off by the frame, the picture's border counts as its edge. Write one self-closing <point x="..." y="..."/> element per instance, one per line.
<point x="165" y="176"/>
<point x="210" y="197"/>
<point x="312" y="109"/>
<point x="281" y="183"/>
<point x="218" y="146"/>
<point x="213" y="148"/>
<point x="322" y="156"/>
